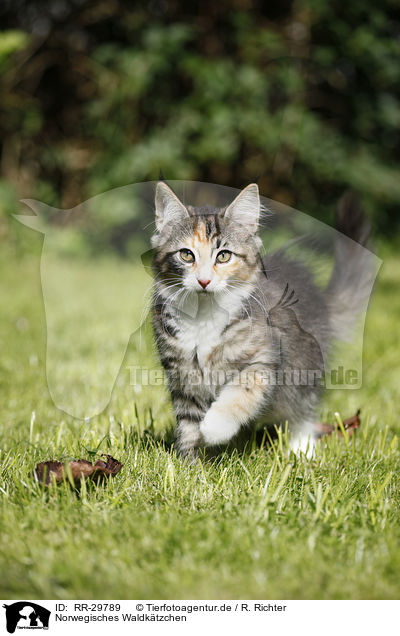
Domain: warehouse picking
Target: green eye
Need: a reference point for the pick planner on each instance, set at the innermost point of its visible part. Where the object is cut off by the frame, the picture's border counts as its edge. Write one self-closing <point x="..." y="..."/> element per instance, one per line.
<point x="187" y="256"/>
<point x="223" y="257"/>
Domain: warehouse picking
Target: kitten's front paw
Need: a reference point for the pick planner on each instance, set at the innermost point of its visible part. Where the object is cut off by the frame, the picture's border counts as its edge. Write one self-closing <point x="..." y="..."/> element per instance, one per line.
<point x="217" y="429"/>
<point x="188" y="438"/>
<point x="190" y="455"/>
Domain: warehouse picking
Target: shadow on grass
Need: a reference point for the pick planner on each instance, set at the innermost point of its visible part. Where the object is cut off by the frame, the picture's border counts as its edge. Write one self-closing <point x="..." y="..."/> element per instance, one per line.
<point x="242" y="444"/>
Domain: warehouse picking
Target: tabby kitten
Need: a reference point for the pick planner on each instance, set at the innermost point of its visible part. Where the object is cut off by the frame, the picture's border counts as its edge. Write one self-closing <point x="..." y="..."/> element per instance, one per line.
<point x="230" y="326"/>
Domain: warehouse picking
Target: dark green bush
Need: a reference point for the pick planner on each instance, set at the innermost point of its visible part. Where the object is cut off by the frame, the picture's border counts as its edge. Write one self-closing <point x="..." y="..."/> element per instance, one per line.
<point x="303" y="96"/>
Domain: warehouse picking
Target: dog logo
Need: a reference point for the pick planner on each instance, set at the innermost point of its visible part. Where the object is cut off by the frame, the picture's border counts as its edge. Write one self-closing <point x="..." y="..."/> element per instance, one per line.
<point x="26" y="615"/>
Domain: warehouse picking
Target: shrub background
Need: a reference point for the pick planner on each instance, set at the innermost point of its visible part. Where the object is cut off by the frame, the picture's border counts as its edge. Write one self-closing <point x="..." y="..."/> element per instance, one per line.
<point x="303" y="96"/>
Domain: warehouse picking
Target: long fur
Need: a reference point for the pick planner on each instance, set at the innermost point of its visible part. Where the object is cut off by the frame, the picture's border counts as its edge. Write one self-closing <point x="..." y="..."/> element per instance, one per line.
<point x="229" y="350"/>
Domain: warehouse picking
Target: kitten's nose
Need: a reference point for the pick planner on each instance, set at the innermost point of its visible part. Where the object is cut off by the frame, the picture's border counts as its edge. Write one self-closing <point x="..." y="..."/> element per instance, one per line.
<point x="203" y="283"/>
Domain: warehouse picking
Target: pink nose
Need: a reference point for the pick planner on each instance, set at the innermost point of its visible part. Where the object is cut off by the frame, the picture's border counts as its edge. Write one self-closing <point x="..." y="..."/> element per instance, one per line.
<point x="204" y="283"/>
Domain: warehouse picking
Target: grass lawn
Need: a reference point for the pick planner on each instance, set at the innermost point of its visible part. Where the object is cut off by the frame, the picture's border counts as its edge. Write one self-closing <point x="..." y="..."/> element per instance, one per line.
<point x="254" y="525"/>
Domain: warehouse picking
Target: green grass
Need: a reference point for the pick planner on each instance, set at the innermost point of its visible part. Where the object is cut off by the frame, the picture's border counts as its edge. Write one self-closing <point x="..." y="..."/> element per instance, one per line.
<point x="251" y="525"/>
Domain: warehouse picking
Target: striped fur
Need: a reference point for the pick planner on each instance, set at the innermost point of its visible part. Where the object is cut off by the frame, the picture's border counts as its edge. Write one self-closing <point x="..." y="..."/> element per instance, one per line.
<point x="219" y="344"/>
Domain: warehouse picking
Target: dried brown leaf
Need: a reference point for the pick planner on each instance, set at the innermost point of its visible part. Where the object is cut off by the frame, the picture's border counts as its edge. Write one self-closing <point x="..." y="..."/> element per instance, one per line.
<point x="45" y="472"/>
<point x="350" y="425"/>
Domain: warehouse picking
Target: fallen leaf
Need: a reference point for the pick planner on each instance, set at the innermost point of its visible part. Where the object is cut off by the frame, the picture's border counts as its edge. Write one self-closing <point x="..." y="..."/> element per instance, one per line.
<point x="350" y="425"/>
<point x="45" y="472"/>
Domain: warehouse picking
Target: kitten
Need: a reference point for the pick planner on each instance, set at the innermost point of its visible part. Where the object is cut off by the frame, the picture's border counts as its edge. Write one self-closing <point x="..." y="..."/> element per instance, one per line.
<point x="229" y="325"/>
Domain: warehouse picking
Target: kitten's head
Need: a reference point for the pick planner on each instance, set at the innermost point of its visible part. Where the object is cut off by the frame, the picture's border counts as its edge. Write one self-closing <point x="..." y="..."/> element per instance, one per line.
<point x="207" y="250"/>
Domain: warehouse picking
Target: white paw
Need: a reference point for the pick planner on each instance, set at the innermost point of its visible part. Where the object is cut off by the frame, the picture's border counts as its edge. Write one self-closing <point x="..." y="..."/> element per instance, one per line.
<point x="303" y="443"/>
<point x="217" y="429"/>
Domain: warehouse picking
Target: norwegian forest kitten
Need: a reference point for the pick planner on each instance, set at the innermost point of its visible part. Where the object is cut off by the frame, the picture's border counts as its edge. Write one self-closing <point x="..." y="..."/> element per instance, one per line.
<point x="229" y="324"/>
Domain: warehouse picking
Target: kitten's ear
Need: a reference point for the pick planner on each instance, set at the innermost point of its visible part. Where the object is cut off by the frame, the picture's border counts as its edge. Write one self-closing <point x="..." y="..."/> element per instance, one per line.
<point x="245" y="209"/>
<point x="168" y="207"/>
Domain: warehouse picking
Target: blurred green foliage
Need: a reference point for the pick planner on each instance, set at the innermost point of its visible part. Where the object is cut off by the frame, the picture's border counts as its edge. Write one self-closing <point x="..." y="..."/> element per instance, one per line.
<point x="303" y="96"/>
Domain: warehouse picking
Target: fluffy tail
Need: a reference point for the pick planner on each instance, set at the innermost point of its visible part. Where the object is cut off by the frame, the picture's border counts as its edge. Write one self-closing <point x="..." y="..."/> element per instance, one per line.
<point x="354" y="270"/>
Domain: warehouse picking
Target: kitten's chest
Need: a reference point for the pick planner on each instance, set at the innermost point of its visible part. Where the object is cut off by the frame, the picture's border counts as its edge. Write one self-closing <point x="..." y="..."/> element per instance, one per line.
<point x="198" y="337"/>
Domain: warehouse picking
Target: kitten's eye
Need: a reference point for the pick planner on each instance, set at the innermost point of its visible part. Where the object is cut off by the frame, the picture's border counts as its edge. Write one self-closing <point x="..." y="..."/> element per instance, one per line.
<point x="187" y="256"/>
<point x="223" y="257"/>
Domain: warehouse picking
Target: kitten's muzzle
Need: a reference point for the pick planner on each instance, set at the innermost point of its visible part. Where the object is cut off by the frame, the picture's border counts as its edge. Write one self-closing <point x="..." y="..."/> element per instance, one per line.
<point x="203" y="283"/>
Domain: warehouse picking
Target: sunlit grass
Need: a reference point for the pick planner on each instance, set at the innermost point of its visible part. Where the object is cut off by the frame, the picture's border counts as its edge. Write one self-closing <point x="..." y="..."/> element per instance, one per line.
<point x="257" y="524"/>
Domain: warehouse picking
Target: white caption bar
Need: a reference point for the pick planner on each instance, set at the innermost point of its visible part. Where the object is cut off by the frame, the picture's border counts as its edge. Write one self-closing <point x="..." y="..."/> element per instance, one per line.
<point x="176" y="617"/>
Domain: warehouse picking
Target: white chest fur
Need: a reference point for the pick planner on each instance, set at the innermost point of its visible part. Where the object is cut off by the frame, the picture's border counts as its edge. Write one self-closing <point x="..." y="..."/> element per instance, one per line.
<point x="200" y="328"/>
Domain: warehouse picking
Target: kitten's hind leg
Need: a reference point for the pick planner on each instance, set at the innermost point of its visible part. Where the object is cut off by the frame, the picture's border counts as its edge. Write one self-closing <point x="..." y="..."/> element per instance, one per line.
<point x="304" y="439"/>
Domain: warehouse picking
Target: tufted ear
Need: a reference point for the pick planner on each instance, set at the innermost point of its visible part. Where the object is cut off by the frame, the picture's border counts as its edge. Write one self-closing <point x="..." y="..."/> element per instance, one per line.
<point x="245" y="209"/>
<point x="169" y="209"/>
